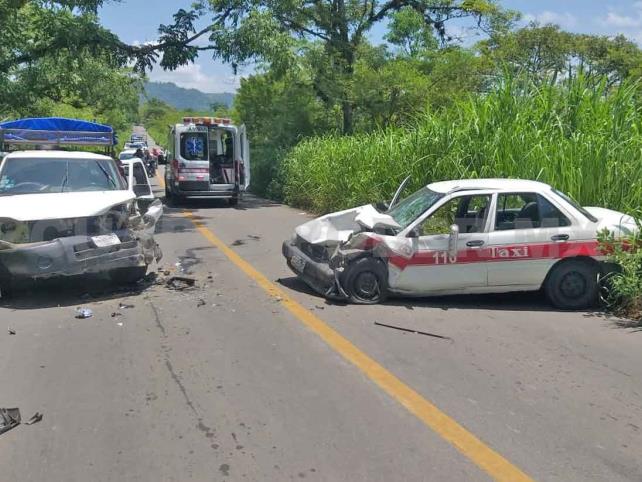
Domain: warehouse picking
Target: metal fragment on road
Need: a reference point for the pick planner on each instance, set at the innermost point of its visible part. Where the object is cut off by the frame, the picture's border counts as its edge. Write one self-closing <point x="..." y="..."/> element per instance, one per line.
<point x="84" y="313"/>
<point x="124" y="306"/>
<point x="9" y="419"/>
<point x="416" y="332"/>
<point x="11" y="331"/>
<point x="180" y="283"/>
<point x="37" y="417"/>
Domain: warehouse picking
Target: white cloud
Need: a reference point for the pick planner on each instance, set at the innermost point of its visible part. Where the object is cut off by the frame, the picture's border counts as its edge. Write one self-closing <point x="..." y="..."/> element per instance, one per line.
<point x="627" y="22"/>
<point x="192" y="76"/>
<point x="563" y="19"/>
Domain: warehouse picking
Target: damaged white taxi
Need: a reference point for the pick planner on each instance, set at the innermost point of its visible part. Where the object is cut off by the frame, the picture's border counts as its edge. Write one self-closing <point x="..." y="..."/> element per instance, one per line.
<point x="459" y="237"/>
<point x="71" y="213"/>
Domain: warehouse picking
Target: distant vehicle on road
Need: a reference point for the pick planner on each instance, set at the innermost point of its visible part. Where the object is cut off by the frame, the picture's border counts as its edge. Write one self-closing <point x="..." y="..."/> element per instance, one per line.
<point x="457" y="237"/>
<point x="210" y="157"/>
<point x="68" y="213"/>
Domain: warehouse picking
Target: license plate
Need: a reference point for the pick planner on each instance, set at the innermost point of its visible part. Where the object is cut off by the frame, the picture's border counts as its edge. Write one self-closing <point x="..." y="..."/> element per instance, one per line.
<point x="106" y="240"/>
<point x="298" y="263"/>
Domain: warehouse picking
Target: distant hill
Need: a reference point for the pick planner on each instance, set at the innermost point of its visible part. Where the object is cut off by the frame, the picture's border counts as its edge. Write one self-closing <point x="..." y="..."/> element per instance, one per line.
<point x="181" y="98"/>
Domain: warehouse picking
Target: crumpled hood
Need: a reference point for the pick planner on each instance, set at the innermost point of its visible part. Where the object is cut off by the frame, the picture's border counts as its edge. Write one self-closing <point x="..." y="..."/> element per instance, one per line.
<point x="337" y="227"/>
<point x="616" y="222"/>
<point x="66" y="205"/>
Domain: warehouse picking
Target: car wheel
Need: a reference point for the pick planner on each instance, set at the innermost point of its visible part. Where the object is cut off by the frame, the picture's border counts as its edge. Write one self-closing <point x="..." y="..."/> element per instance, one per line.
<point x="572" y="285"/>
<point x="365" y="281"/>
<point x="128" y="276"/>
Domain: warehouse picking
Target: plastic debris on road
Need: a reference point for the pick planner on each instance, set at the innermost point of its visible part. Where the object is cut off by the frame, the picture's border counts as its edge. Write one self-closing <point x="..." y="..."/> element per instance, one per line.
<point x="83" y="313"/>
<point x="180" y="283"/>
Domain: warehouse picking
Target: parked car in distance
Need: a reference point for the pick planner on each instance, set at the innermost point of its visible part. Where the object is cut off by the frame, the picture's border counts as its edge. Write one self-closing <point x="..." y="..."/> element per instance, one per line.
<point x="457" y="237"/>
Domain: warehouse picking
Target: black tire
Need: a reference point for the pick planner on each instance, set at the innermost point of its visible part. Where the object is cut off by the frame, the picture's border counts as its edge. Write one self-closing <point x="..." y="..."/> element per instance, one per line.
<point x="365" y="281"/>
<point x="128" y="276"/>
<point x="572" y="285"/>
<point x="233" y="201"/>
<point x="6" y="286"/>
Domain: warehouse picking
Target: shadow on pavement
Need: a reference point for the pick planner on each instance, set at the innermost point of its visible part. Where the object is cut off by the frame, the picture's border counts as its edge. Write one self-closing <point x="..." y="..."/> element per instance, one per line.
<point x="521" y="301"/>
<point x="73" y="291"/>
<point x="248" y="202"/>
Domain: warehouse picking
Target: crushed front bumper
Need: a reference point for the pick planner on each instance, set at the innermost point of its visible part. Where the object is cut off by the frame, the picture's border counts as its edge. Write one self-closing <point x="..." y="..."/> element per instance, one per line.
<point x="318" y="275"/>
<point x="75" y="255"/>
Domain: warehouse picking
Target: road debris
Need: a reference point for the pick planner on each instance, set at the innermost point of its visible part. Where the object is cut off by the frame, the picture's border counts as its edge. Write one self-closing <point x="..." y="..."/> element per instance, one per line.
<point x="416" y="332"/>
<point x="200" y="302"/>
<point x="254" y="237"/>
<point x="124" y="306"/>
<point x="120" y="323"/>
<point x="115" y="314"/>
<point x="37" y="417"/>
<point x="11" y="331"/>
<point x="180" y="283"/>
<point x="238" y="242"/>
<point x="9" y="418"/>
<point x="83" y="313"/>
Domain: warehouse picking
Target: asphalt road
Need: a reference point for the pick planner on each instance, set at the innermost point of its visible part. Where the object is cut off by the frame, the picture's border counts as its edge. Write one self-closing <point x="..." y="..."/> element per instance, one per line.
<point x="249" y="376"/>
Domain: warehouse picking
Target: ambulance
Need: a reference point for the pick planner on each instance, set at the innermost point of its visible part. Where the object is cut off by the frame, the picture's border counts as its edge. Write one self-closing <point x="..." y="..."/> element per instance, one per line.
<point x="208" y="157"/>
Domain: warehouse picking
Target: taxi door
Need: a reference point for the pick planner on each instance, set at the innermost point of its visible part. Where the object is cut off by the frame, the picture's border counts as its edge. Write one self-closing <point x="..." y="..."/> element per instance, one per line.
<point x="529" y="235"/>
<point x="432" y="268"/>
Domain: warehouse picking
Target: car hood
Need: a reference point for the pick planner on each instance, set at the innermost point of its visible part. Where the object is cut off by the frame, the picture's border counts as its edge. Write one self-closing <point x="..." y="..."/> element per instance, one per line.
<point x="37" y="207"/>
<point x="337" y="227"/>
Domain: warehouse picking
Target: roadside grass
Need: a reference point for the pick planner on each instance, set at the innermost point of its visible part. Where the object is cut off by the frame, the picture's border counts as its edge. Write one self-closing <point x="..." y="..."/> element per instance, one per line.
<point x="583" y="139"/>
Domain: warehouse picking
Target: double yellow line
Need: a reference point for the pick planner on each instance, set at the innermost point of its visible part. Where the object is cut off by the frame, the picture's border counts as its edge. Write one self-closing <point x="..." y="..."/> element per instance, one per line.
<point x="468" y="444"/>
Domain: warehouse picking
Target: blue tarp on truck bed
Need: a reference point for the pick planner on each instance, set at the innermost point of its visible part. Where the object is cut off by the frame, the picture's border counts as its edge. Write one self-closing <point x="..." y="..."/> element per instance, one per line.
<point x="57" y="130"/>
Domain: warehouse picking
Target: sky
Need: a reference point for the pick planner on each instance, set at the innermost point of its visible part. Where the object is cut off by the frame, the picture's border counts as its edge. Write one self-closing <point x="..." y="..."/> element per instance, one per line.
<point x="135" y="21"/>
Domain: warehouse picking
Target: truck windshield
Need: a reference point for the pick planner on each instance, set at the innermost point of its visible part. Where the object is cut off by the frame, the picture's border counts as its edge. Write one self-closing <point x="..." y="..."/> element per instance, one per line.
<point x="406" y="211"/>
<point x="39" y="176"/>
<point x="194" y="146"/>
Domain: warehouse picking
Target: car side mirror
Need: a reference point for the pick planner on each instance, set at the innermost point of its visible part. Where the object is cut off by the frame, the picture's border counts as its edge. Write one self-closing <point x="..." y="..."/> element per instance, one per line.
<point x="453" y="240"/>
<point x="413" y="233"/>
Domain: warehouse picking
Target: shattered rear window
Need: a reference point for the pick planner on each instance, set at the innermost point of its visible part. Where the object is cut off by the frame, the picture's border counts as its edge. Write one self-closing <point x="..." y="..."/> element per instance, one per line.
<point x="406" y="211"/>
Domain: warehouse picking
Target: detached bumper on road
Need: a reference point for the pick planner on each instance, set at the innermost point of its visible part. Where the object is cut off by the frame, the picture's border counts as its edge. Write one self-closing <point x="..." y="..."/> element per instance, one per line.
<point x="319" y="276"/>
<point x="70" y="256"/>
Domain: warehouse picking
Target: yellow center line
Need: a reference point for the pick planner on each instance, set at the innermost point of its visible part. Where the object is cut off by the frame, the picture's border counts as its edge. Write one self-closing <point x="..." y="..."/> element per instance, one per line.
<point x="468" y="444"/>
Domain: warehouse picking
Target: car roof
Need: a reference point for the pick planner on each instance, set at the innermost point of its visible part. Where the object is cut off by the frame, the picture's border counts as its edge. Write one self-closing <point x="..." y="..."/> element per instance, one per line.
<point x="488" y="184"/>
<point x="56" y="155"/>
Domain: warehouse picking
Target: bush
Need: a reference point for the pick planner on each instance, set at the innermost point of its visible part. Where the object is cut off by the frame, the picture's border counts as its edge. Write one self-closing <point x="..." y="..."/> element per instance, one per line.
<point x="583" y="139"/>
<point x="623" y="288"/>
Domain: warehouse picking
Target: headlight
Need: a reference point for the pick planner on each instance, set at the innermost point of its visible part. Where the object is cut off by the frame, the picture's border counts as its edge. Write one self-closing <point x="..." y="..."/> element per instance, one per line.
<point x="13" y="231"/>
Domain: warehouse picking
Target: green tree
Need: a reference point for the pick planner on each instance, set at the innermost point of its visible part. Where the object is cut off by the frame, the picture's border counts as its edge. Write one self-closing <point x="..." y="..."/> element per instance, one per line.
<point x="271" y="31"/>
<point x="408" y="31"/>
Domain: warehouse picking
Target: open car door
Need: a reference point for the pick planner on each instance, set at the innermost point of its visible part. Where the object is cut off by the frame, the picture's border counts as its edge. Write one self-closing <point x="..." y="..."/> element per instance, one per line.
<point x="245" y="156"/>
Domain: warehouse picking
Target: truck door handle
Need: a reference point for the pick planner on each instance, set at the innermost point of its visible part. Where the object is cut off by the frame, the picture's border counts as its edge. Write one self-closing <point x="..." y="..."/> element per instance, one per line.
<point x="560" y="237"/>
<point x="475" y="244"/>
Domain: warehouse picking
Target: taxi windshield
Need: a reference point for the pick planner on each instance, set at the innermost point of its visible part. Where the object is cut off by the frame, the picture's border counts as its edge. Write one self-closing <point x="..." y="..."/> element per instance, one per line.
<point x="406" y="211"/>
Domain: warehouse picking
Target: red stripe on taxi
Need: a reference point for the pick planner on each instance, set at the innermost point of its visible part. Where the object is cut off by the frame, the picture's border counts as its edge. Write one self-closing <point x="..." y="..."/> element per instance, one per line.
<point x="518" y="252"/>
